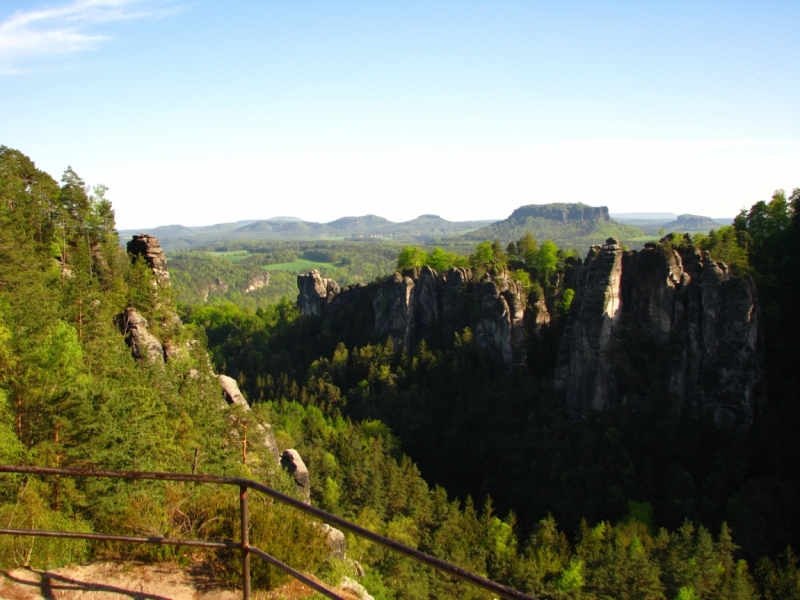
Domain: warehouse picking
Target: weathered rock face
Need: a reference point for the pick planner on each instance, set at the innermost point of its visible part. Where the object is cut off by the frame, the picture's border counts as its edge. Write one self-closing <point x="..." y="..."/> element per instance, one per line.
<point x="562" y="212"/>
<point x="256" y="283"/>
<point x="315" y="292"/>
<point x="232" y="395"/>
<point x="665" y="322"/>
<point x="144" y="345"/>
<point x="422" y="303"/>
<point x="294" y="465"/>
<point x="148" y="246"/>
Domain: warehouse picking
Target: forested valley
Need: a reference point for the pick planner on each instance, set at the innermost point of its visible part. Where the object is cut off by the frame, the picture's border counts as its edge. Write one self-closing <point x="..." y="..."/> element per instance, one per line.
<point x="439" y="446"/>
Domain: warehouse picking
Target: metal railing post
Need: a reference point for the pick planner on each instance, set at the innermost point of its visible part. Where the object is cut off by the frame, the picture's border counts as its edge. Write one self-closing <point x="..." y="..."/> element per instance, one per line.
<point x="245" y="542"/>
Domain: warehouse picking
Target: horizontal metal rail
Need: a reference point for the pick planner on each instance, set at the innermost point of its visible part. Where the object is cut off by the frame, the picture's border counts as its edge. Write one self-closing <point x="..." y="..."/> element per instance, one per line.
<point x="244" y="484"/>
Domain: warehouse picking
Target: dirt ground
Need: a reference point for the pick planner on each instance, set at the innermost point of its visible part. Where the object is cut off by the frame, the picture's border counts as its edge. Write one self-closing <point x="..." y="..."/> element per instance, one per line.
<point x="132" y="581"/>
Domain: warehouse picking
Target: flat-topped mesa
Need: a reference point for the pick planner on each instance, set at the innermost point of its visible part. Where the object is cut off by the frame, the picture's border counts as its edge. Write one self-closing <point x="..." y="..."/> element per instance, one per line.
<point x="148" y="246"/>
<point x="422" y="303"/>
<point x="667" y="324"/>
<point x="562" y="212"/>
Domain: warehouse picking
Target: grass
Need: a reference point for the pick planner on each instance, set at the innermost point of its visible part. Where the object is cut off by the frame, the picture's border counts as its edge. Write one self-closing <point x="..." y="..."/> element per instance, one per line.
<point x="299" y="265"/>
<point x="232" y="256"/>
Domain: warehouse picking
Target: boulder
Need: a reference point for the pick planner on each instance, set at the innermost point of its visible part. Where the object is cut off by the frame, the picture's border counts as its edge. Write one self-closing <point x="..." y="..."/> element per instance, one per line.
<point x="353" y="587"/>
<point x="144" y="345"/>
<point x="336" y="540"/>
<point x="294" y="465"/>
<point x="232" y="395"/>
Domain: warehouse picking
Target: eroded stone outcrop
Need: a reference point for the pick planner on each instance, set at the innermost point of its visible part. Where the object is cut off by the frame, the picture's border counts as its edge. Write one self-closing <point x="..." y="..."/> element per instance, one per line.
<point x="664" y="324"/>
<point x="294" y="465"/>
<point x="416" y="304"/>
<point x="257" y="282"/>
<point x="234" y="396"/>
<point x="315" y="293"/>
<point x="147" y="246"/>
<point x="144" y="345"/>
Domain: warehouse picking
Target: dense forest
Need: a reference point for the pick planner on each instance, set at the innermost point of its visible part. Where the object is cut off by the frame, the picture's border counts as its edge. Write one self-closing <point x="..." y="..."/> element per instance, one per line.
<point x="227" y="271"/>
<point x="439" y="446"/>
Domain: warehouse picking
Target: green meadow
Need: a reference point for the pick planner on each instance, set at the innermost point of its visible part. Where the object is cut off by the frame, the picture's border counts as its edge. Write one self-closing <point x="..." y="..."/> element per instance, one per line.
<point x="301" y="264"/>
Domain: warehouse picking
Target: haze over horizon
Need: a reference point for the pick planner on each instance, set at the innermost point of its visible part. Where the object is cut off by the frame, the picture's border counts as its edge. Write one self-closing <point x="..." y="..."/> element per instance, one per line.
<point x="197" y="113"/>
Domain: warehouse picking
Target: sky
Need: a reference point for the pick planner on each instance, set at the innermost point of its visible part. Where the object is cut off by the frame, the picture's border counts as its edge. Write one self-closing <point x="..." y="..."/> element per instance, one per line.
<point x="199" y="112"/>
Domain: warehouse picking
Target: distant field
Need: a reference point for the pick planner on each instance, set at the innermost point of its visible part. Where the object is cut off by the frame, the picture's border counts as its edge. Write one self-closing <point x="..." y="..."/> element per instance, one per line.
<point x="232" y="256"/>
<point x="644" y="238"/>
<point x="299" y="265"/>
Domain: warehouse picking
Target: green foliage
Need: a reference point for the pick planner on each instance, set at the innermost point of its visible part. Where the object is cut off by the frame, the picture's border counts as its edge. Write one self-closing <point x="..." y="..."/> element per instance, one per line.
<point x="546" y="259"/>
<point x="411" y="257"/>
<point x="728" y="245"/>
<point x="566" y="300"/>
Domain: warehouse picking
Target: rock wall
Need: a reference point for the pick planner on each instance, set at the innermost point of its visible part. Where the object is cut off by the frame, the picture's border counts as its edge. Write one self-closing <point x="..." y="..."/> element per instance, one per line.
<point x="666" y="322"/>
<point x="423" y="303"/>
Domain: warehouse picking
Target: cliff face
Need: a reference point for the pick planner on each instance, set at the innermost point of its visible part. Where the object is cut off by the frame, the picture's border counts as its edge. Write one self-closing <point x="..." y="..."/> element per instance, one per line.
<point x="666" y="322"/>
<point x="562" y="212"/>
<point x="423" y="303"/>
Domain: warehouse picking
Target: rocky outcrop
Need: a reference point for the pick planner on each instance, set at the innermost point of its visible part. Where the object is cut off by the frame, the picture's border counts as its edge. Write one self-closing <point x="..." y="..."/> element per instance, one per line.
<point x="422" y="303"/>
<point x="294" y="465"/>
<point x="562" y="212"/>
<point x="315" y="293"/>
<point x="234" y="396"/>
<point x="232" y="393"/>
<point x="144" y="345"/>
<point x="351" y="586"/>
<point x="147" y="246"/>
<point x="335" y="540"/>
<point x="257" y="282"/>
<point x="664" y="324"/>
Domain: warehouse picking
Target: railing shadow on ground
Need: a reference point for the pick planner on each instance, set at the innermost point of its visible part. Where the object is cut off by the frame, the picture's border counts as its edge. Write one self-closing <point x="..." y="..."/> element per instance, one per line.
<point x="244" y="544"/>
<point x="51" y="583"/>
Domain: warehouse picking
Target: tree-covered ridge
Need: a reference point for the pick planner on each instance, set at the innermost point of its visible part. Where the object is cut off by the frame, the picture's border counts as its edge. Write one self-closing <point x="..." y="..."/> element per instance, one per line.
<point x="228" y="271"/>
<point x="368" y="227"/>
<point x="72" y="395"/>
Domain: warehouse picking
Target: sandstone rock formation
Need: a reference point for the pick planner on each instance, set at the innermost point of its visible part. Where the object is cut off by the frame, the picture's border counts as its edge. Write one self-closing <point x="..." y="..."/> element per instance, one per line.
<point x="315" y="292"/>
<point x="666" y="322"/>
<point x="144" y="345"/>
<point x="256" y="283"/>
<point x="335" y="540"/>
<point x="232" y="394"/>
<point x="147" y="246"/>
<point x="420" y="303"/>
<point x="353" y="587"/>
<point x="294" y="465"/>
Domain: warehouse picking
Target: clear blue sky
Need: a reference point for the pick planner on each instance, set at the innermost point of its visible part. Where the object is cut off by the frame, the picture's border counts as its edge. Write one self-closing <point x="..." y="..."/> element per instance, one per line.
<point x="200" y="112"/>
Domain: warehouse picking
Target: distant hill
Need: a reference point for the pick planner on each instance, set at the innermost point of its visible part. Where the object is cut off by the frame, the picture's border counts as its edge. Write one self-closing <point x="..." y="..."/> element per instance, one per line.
<point x="653" y="223"/>
<point x="419" y="230"/>
<point x="691" y="223"/>
<point x="573" y="225"/>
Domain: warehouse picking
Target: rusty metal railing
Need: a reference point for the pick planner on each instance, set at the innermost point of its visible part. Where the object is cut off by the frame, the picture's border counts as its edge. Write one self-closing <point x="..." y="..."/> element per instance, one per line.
<point x="244" y="544"/>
